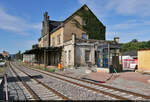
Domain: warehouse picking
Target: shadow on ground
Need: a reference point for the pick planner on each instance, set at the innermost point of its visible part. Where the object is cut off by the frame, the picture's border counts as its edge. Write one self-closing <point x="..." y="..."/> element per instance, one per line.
<point x="128" y="70"/>
<point x="24" y="78"/>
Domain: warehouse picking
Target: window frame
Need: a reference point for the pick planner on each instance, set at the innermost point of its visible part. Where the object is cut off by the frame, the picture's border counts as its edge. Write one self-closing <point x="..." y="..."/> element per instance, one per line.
<point x="83" y="36"/>
<point x="69" y="56"/>
<point x="58" y="39"/>
<point x="89" y="56"/>
<point x="53" y="41"/>
<point x="83" y="22"/>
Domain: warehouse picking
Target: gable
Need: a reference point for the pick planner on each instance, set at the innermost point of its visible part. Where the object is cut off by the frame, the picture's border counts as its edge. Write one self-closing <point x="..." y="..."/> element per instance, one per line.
<point x="93" y="27"/>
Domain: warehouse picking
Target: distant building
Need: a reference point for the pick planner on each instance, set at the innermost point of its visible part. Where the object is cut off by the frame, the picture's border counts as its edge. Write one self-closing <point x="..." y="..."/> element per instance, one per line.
<point x="129" y="59"/>
<point x="5" y="54"/>
<point x="28" y="58"/>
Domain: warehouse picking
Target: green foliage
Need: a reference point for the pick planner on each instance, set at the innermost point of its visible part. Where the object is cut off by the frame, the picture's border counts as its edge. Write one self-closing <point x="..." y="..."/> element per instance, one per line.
<point x="76" y="23"/>
<point x="1" y="69"/>
<point x="134" y="40"/>
<point x="50" y="69"/>
<point x="135" y="45"/>
<point x="93" y="26"/>
<point x="19" y="56"/>
<point x="40" y="67"/>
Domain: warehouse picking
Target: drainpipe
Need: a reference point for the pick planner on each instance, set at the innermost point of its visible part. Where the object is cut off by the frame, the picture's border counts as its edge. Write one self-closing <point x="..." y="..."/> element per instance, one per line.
<point x="108" y="55"/>
<point x="74" y="45"/>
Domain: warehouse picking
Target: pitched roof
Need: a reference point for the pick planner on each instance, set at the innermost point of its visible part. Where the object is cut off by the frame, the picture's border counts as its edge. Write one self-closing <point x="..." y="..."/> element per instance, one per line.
<point x="130" y="53"/>
<point x="79" y="10"/>
<point x="54" y="25"/>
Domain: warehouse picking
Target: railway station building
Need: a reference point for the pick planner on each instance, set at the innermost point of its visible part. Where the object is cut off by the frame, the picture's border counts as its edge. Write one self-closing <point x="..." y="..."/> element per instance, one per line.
<point x="79" y="40"/>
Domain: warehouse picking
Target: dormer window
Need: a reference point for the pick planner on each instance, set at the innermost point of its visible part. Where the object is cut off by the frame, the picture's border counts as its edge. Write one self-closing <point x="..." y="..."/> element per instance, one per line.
<point x="84" y="36"/>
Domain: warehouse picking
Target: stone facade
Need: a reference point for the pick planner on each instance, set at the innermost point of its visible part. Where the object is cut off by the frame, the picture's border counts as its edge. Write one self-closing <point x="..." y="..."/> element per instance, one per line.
<point x="57" y="37"/>
<point x="70" y="28"/>
<point x="52" y="30"/>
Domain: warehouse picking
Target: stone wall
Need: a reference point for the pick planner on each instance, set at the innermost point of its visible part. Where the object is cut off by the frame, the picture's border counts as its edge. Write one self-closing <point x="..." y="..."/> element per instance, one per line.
<point x="54" y="37"/>
<point x="70" y="28"/>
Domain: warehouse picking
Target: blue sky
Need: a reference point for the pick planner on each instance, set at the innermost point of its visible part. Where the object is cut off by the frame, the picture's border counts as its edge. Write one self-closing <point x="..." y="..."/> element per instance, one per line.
<point x="20" y="20"/>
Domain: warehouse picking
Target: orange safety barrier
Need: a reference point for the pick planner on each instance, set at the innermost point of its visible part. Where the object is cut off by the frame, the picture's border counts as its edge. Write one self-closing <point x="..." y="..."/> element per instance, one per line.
<point x="59" y="66"/>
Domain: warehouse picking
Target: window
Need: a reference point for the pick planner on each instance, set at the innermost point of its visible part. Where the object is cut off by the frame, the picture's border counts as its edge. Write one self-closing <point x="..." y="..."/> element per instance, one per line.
<point x="69" y="56"/>
<point x="53" y="41"/>
<point x="65" y="56"/>
<point x="45" y="38"/>
<point x="87" y="55"/>
<point x="58" y="39"/>
<point x="84" y="36"/>
<point x="83" y="22"/>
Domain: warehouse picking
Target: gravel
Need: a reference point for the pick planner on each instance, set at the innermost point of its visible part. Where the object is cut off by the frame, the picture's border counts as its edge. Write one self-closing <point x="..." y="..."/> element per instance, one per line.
<point x="15" y="88"/>
<point x="42" y="92"/>
<point x="73" y="91"/>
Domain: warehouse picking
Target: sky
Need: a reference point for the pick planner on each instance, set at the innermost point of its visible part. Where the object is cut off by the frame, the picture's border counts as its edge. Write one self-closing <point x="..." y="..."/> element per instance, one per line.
<point x="21" y="20"/>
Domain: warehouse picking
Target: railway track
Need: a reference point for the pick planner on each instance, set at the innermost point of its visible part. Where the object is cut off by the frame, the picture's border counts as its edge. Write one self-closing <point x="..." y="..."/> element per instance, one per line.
<point x="99" y="88"/>
<point x="17" y="91"/>
<point x="36" y="88"/>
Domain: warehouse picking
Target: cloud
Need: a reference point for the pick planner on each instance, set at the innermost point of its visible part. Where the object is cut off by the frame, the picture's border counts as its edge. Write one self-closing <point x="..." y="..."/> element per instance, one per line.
<point x="127" y="19"/>
<point x="129" y="29"/>
<point x="129" y="7"/>
<point x="24" y="44"/>
<point x="15" y="24"/>
<point x="130" y="24"/>
<point x="122" y="7"/>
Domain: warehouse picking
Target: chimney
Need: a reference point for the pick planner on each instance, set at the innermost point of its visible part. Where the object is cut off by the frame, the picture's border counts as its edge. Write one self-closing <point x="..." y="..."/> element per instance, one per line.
<point x="46" y="17"/>
<point x="116" y="39"/>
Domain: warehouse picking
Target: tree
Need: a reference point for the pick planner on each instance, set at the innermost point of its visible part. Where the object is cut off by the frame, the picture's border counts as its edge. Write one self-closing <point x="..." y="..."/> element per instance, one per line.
<point x="18" y="55"/>
<point x="134" y="40"/>
<point x="135" y="45"/>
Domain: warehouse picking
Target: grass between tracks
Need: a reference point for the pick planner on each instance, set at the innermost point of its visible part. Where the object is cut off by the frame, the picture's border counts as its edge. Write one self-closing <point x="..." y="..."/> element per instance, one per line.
<point x="1" y="69"/>
<point x="38" y="67"/>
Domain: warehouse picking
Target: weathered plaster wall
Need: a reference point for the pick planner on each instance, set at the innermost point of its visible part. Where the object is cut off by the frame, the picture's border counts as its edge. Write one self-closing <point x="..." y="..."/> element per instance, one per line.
<point x="80" y="54"/>
<point x="143" y="60"/>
